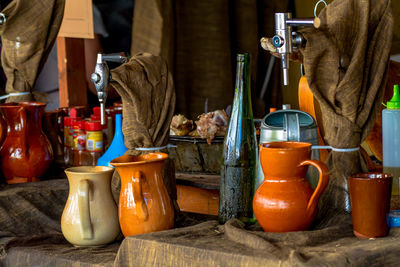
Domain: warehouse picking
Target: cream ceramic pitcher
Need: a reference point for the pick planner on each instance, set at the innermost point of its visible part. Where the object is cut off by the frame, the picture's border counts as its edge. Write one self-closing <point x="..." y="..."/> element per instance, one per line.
<point x="90" y="217"/>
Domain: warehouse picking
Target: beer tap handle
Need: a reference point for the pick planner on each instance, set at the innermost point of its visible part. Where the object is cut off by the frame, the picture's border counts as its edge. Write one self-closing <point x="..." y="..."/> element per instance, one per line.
<point x="285" y="39"/>
<point x="102" y="76"/>
<point x="116" y="57"/>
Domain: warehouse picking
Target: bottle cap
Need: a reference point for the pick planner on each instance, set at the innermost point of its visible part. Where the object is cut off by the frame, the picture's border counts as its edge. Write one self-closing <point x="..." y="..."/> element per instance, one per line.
<point x="93" y="126"/>
<point x="394" y="103"/>
<point x="96" y="111"/>
<point x="79" y="124"/>
<point x="393" y="218"/>
<point x="73" y="113"/>
<point x="67" y="121"/>
<point x="94" y="117"/>
<point x="272" y="110"/>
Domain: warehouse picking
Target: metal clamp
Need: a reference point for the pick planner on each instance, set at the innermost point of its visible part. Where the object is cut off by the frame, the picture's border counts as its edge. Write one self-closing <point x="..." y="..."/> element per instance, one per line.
<point x="316" y="6"/>
<point x="3" y="18"/>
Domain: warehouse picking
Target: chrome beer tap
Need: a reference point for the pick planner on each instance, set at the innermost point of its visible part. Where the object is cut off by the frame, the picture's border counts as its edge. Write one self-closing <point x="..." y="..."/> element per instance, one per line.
<point x="102" y="76"/>
<point x="286" y="40"/>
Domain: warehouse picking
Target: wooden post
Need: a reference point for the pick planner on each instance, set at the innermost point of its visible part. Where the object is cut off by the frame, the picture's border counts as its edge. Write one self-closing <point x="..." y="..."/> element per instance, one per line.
<point x="71" y="71"/>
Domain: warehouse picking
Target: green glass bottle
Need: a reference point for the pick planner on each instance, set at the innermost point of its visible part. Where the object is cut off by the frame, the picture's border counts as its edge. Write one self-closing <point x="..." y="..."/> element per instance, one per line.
<point x="238" y="168"/>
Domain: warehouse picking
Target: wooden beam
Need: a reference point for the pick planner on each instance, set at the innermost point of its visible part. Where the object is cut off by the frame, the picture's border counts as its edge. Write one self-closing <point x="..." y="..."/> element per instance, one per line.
<point x="71" y="71"/>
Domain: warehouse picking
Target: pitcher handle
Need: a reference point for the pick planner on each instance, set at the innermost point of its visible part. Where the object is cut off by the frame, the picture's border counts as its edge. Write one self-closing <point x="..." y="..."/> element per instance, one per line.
<point x="323" y="180"/>
<point x="24" y="125"/>
<point x="292" y="126"/>
<point x="3" y="130"/>
<point x="84" y="210"/>
<point x="141" y="207"/>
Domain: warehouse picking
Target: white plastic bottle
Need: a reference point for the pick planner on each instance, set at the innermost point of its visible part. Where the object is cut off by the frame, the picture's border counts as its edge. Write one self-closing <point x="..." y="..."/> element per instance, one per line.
<point x="391" y="139"/>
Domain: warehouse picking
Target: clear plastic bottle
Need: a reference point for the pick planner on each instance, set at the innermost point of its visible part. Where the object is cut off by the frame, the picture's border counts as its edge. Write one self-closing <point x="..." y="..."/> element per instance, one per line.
<point x="391" y="139"/>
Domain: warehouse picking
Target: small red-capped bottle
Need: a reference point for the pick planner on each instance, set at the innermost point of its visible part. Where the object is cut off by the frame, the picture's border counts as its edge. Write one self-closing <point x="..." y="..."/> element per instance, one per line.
<point x="94" y="141"/>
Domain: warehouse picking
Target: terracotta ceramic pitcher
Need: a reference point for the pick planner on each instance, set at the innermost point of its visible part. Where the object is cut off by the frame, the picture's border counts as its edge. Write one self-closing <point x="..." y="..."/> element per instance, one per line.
<point x="144" y="203"/>
<point x="52" y="128"/>
<point x="285" y="201"/>
<point x="90" y="216"/>
<point x="26" y="153"/>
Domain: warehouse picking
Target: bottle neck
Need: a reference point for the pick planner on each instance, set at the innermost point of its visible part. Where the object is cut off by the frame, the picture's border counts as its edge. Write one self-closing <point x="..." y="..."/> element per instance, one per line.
<point x="242" y="98"/>
<point x="118" y="124"/>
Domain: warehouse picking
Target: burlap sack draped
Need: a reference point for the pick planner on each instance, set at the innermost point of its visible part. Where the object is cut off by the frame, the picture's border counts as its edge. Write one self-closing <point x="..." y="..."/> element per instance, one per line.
<point x="27" y="38"/>
<point x="200" y="40"/>
<point x="345" y="62"/>
<point x="148" y="97"/>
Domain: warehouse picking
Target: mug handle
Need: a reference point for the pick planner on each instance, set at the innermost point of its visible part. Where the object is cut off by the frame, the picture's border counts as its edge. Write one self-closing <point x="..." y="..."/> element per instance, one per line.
<point x="141" y="207"/>
<point x="3" y="129"/>
<point x="84" y="210"/>
<point x="323" y="180"/>
<point x="24" y="122"/>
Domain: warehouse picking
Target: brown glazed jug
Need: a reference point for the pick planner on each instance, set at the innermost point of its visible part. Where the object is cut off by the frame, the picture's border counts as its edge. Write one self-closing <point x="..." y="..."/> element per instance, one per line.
<point x="144" y="203"/>
<point x="285" y="201"/>
<point x="52" y="126"/>
<point x="26" y="153"/>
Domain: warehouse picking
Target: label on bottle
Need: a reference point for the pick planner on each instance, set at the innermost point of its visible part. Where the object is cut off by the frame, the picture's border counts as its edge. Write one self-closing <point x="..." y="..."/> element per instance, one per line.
<point x="94" y="141"/>
<point x="236" y="193"/>
<point x="70" y="138"/>
<point x="79" y="140"/>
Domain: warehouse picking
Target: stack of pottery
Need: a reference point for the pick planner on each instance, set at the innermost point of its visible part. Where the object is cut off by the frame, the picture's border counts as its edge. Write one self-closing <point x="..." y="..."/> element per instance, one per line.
<point x="26" y="153"/>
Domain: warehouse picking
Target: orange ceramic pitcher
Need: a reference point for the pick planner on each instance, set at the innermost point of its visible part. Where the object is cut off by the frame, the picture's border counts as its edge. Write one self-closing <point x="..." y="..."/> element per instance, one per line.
<point x="285" y="201"/>
<point x="144" y="203"/>
<point x="26" y="153"/>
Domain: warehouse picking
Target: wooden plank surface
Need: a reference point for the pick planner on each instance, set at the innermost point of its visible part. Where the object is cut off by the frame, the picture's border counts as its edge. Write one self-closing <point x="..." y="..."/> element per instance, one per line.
<point x="71" y="71"/>
<point x="205" y="181"/>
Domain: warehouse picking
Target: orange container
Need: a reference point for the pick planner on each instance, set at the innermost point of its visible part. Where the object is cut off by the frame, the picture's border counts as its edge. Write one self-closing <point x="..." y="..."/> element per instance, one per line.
<point x="285" y="201"/>
<point x="370" y="203"/>
<point x="144" y="203"/>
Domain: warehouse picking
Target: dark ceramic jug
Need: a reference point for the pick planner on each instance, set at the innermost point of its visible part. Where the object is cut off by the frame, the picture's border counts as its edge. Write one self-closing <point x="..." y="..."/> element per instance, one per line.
<point x="52" y="126"/>
<point x="26" y="153"/>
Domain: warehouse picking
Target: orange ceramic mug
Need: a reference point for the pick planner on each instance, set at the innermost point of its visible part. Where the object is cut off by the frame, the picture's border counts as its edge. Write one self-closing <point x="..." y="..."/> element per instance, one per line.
<point x="370" y="203"/>
<point x="285" y="201"/>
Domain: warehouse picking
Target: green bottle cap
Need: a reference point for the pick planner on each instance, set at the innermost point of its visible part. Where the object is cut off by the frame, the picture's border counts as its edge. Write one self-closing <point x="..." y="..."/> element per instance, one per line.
<point x="394" y="103"/>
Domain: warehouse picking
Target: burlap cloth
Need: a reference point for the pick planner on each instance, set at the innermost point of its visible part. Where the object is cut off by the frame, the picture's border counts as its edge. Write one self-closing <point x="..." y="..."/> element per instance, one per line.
<point x="30" y="235"/>
<point x="331" y="243"/>
<point x="27" y="38"/>
<point x="345" y="62"/>
<point x="147" y="91"/>
<point x="30" y="228"/>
